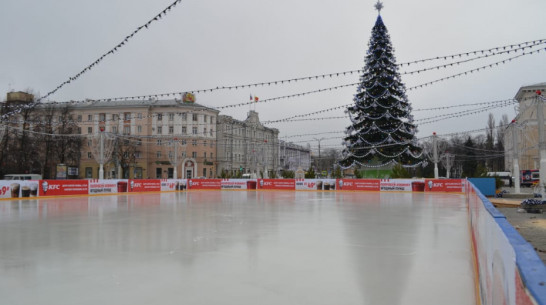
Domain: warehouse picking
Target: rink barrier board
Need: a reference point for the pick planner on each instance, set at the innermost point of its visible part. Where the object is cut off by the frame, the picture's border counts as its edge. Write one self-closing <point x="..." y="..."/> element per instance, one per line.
<point x="51" y="188"/>
<point x="508" y="268"/>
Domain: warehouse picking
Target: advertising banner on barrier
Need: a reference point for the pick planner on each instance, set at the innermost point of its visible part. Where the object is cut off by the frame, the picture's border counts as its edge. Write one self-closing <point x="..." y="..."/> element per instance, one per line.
<point x="111" y="186"/>
<point x="315" y="184"/>
<point x="18" y="188"/>
<point x="358" y="184"/>
<point x="204" y="184"/>
<point x="276" y="184"/>
<point x="396" y="185"/>
<point x="63" y="187"/>
<point x="173" y="185"/>
<point x="144" y="185"/>
<point x="444" y="185"/>
<point x="237" y="184"/>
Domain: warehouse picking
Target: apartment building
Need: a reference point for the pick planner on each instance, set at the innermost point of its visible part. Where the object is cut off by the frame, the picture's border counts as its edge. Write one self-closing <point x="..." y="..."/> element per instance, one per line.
<point x="148" y="139"/>
<point x="247" y="147"/>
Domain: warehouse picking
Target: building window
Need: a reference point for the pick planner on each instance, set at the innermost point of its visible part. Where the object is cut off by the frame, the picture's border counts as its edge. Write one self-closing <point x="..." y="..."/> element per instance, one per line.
<point x="171" y="129"/>
<point x="158" y="154"/>
<point x="210" y="131"/>
<point x="159" y="117"/>
<point x="194" y="154"/>
<point x="194" y="130"/>
<point x="114" y="129"/>
<point x="204" y="172"/>
<point x="184" y="116"/>
<point x="184" y="130"/>
<point x="102" y="117"/>
<point x="139" y="116"/>
<point x="137" y="154"/>
<point x="194" y="117"/>
<point x="205" y="131"/>
<point x="88" y="172"/>
<point x="89" y="129"/>
<point x="170" y="154"/>
<point x="205" y="155"/>
<point x="184" y="142"/>
<point x="159" y="142"/>
<point x="205" y="143"/>
<point x="127" y="116"/>
<point x="194" y="142"/>
<point x="158" y="172"/>
<point x="139" y="128"/>
<point x="159" y="130"/>
<point x="115" y="117"/>
<point x="89" y="156"/>
<point x="89" y="143"/>
<point x="171" y="116"/>
<point x="139" y="142"/>
<point x="79" y="130"/>
<point x="126" y="130"/>
<point x="79" y="118"/>
<point x="211" y="155"/>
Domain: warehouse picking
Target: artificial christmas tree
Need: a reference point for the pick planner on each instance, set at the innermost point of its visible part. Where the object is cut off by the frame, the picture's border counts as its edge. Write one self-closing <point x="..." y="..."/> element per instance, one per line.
<point x="382" y="127"/>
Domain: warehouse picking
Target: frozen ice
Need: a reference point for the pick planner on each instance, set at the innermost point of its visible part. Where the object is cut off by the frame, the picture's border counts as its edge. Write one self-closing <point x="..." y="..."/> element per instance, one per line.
<point x="237" y="247"/>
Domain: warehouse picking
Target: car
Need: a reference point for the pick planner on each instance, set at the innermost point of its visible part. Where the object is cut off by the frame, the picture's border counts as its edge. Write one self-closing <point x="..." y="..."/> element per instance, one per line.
<point x="22" y="177"/>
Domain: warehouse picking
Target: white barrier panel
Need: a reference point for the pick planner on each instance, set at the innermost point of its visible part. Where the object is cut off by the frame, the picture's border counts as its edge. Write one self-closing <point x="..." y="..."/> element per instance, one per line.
<point x="498" y="257"/>
<point x="315" y="184"/>
<point x="110" y="186"/>
<point x="18" y="188"/>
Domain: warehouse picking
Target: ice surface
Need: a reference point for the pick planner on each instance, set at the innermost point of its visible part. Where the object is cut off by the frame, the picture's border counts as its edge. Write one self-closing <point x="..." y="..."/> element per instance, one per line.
<point x="237" y="247"/>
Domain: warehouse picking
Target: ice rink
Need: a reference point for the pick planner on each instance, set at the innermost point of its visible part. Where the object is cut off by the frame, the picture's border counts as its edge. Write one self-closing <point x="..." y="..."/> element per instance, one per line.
<point x="237" y="247"/>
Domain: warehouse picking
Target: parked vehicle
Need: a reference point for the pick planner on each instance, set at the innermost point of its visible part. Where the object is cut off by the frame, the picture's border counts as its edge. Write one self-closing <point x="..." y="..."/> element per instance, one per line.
<point x="529" y="177"/>
<point x="22" y="177"/>
<point x="504" y="176"/>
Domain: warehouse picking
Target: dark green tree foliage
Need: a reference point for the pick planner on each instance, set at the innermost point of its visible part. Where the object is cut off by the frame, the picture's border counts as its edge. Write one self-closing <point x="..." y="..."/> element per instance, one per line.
<point x="382" y="125"/>
<point x="470" y="165"/>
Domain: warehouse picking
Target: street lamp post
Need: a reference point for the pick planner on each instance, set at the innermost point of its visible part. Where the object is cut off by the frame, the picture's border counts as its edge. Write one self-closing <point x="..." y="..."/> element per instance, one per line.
<point x="101" y="167"/>
<point x="319" y="157"/>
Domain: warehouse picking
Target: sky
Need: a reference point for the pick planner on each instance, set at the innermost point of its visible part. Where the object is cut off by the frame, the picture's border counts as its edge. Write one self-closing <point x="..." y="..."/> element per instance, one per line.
<point x="204" y="44"/>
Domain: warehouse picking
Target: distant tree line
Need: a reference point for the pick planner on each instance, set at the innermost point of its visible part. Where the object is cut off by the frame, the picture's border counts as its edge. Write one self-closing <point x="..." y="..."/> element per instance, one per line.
<point x="38" y="138"/>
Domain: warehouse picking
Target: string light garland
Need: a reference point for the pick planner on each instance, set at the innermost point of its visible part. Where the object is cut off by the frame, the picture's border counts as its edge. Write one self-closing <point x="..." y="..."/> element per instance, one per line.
<point x="476" y="69"/>
<point x="113" y="50"/>
<point x="18" y="109"/>
<point x="327" y="75"/>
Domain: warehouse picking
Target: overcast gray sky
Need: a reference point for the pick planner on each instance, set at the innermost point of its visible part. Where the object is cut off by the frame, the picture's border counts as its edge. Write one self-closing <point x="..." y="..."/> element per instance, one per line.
<point x="210" y="43"/>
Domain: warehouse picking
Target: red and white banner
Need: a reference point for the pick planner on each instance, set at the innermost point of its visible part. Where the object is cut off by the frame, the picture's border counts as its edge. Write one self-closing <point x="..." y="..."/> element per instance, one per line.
<point x="238" y="184"/>
<point x="63" y="187"/>
<point x="276" y="184"/>
<point x="397" y="185"/>
<point x="18" y="188"/>
<point x="204" y="184"/>
<point x="114" y="186"/>
<point x="358" y="184"/>
<point x="144" y="185"/>
<point x="173" y="185"/>
<point x="445" y="185"/>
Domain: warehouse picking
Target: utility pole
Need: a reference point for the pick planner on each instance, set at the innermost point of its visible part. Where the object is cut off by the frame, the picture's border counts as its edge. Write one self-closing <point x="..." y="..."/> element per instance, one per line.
<point x="319" y="157"/>
<point x="541" y="143"/>
<point x="515" y="157"/>
<point x="175" y="172"/>
<point x="101" y="168"/>
<point x="435" y="154"/>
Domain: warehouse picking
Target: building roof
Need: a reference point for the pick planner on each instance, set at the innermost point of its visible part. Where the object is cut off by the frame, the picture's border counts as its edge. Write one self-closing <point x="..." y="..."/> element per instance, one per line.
<point x="529" y="88"/>
<point x="135" y="103"/>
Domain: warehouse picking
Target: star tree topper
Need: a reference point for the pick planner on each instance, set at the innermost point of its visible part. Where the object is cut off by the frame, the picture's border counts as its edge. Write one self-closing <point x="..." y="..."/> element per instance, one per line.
<point x="379" y="6"/>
